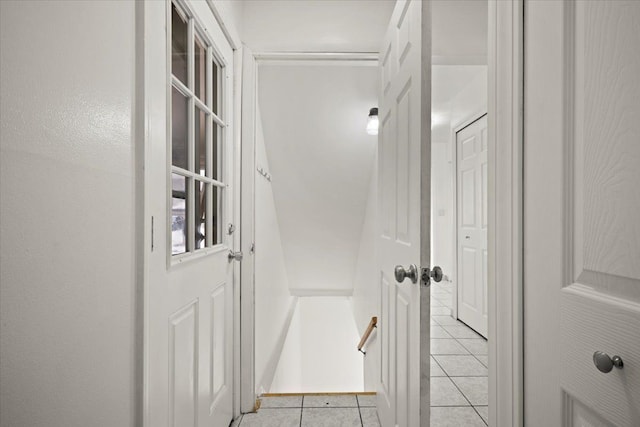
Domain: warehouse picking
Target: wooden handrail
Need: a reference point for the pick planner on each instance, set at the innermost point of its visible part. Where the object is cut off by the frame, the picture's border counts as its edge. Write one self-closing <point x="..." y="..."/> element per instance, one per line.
<point x="373" y="324"/>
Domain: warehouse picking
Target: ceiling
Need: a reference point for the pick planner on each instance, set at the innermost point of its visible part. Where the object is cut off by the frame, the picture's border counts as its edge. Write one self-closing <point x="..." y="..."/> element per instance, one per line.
<point x="459" y="27"/>
<point x="321" y="161"/>
<point x="315" y="25"/>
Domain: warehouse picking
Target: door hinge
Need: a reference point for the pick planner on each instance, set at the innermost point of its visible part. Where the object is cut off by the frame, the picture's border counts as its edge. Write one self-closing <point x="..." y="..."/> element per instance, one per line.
<point x="425" y="278"/>
<point x="231" y="228"/>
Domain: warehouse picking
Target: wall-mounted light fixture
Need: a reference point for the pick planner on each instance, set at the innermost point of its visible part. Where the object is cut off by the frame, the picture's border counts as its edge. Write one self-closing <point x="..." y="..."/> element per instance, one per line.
<point x="372" y="122"/>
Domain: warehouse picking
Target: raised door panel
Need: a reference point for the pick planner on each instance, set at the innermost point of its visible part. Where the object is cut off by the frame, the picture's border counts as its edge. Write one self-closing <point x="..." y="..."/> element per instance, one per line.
<point x="183" y="366"/>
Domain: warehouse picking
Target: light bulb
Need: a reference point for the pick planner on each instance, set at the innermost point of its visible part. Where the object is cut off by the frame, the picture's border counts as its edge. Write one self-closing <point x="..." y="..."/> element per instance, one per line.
<point x="372" y="122"/>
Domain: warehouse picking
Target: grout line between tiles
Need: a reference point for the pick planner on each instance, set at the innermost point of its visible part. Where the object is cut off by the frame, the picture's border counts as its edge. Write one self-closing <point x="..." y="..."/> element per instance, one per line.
<point x="474" y="408"/>
<point x="359" y="413"/>
<point x="301" y="409"/>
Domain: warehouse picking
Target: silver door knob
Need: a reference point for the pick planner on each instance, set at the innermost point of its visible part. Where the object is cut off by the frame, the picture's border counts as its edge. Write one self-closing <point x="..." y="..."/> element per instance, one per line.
<point x="604" y="363"/>
<point x="235" y="256"/>
<point x="436" y="274"/>
<point x="402" y="273"/>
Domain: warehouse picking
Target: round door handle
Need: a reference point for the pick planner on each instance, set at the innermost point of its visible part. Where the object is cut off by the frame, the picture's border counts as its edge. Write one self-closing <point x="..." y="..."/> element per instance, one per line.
<point x="436" y="274"/>
<point x="604" y="363"/>
<point x="402" y="273"/>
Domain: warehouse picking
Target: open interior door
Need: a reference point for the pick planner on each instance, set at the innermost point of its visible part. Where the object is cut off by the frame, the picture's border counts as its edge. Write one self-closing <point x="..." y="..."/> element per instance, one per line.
<point x="404" y="149"/>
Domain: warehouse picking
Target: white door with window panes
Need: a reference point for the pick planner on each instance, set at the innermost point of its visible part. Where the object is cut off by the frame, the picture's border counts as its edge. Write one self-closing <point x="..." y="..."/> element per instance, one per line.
<point x="188" y="161"/>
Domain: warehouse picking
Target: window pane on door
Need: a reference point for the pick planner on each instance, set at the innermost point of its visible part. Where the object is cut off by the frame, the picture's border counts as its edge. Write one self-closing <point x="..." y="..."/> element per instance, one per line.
<point x="179" y="214"/>
<point x="200" y="61"/>
<point x="216" y="153"/>
<point x="216" y="211"/>
<point x="216" y="87"/>
<point x="179" y="129"/>
<point x="201" y="141"/>
<point x="201" y="215"/>
<point x="178" y="45"/>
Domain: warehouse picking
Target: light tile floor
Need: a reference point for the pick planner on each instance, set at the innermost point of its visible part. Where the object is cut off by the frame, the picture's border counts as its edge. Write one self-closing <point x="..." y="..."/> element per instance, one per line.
<point x="459" y="377"/>
<point x="313" y="411"/>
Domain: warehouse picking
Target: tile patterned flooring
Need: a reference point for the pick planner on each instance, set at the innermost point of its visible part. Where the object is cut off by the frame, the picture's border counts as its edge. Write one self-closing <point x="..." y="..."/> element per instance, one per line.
<point x="459" y="380"/>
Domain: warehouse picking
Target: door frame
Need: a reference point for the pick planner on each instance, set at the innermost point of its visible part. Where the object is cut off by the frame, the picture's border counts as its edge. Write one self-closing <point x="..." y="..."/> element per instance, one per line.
<point x="454" y="192"/>
<point x="145" y="222"/>
<point x="505" y="208"/>
<point x="250" y="64"/>
<point x="505" y="198"/>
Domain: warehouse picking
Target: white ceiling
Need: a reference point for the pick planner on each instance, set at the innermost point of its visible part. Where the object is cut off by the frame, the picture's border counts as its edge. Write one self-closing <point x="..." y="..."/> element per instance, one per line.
<point x="321" y="160"/>
<point x="315" y="25"/>
<point x="459" y="27"/>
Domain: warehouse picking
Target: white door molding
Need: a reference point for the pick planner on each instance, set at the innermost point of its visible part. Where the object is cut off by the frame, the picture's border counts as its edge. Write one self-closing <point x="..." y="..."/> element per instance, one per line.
<point x="505" y="244"/>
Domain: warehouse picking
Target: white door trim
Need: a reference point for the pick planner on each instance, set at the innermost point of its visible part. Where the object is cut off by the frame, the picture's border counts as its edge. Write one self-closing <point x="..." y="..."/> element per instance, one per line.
<point x="454" y="194"/>
<point x="249" y="71"/>
<point x="505" y="203"/>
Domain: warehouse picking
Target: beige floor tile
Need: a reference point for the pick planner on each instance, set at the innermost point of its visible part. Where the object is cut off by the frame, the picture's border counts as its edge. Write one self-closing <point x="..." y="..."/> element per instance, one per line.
<point x="331" y="417"/>
<point x="369" y="417"/>
<point x="455" y="417"/>
<point x="273" y="417"/>
<point x="281" y="402"/>
<point x="447" y="346"/>
<point x="475" y="346"/>
<point x="460" y="331"/>
<point x="475" y="389"/>
<point x="445" y="393"/>
<point x="436" y="370"/>
<point x="461" y="366"/>
<point x="438" y="331"/>
<point x="484" y="413"/>
<point x="330" y="401"/>
<point x="367" y="400"/>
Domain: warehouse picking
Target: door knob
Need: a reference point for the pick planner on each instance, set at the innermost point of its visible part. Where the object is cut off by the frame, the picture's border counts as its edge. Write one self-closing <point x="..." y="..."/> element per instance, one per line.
<point x="401" y="273"/>
<point x="436" y="274"/>
<point x="235" y="256"/>
<point x="604" y="363"/>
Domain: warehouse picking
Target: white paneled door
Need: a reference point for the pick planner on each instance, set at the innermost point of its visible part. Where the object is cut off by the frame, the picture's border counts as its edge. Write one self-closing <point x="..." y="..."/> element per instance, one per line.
<point x="188" y="175"/>
<point x="582" y="213"/>
<point x="471" y="149"/>
<point x="404" y="149"/>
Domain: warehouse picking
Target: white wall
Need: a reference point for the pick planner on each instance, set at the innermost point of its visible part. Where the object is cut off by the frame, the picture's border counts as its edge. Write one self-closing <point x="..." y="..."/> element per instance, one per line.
<point x="67" y="263"/>
<point x="365" y="301"/>
<point x="274" y="305"/>
<point x="320" y="352"/>
<point x="320" y="157"/>
<point x="460" y="92"/>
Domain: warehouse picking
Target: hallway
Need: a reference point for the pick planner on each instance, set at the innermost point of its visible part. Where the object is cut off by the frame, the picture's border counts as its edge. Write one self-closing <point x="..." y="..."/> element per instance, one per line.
<point x="459" y="381"/>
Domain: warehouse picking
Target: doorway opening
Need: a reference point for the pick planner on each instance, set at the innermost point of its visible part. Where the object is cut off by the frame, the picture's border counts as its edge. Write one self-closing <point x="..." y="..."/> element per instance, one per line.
<point x="314" y="213"/>
<point x="459" y="171"/>
<point x="459" y="360"/>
